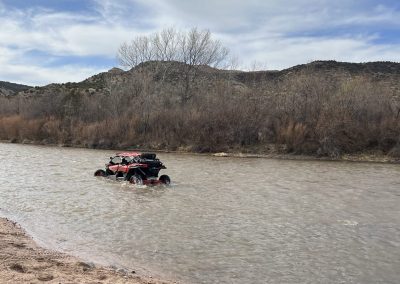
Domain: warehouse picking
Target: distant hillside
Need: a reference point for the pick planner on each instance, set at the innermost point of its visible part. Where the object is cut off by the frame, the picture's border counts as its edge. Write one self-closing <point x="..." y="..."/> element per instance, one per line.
<point x="172" y="73"/>
<point x="7" y="88"/>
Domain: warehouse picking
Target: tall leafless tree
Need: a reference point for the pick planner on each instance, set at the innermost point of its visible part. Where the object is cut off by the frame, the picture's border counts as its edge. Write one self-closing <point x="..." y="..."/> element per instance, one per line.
<point x="194" y="48"/>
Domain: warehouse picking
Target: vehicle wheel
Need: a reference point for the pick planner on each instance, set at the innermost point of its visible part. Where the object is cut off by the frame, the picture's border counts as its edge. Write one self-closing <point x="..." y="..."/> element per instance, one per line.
<point x="136" y="179"/>
<point x="99" y="173"/>
<point x="165" y="179"/>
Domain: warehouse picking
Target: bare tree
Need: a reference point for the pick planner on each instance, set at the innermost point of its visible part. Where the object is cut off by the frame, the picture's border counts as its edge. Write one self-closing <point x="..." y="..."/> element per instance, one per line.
<point x="194" y="48"/>
<point x="140" y="50"/>
<point x="165" y="44"/>
<point x="198" y="48"/>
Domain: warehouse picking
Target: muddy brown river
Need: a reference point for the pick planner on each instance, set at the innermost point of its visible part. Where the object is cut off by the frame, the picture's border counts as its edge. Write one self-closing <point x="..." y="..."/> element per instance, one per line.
<point x="223" y="220"/>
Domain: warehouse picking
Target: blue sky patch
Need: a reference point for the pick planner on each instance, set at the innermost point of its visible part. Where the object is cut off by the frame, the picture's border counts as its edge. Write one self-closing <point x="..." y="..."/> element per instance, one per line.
<point x="56" y="5"/>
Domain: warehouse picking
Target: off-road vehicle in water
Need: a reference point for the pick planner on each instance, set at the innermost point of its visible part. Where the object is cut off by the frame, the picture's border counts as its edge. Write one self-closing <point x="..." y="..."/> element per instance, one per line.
<point x="137" y="168"/>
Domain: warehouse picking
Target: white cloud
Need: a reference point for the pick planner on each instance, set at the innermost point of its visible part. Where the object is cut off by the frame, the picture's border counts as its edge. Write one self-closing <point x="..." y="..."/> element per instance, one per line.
<point x="273" y="15"/>
<point x="275" y="31"/>
<point x="55" y="34"/>
<point x="38" y="76"/>
<point x="279" y="53"/>
<point x="16" y="70"/>
<point x="61" y="33"/>
<point x="281" y="33"/>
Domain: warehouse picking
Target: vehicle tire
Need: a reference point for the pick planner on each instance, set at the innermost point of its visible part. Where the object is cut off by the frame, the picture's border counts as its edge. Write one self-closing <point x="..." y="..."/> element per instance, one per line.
<point x="100" y="173"/>
<point x="165" y="179"/>
<point x="136" y="179"/>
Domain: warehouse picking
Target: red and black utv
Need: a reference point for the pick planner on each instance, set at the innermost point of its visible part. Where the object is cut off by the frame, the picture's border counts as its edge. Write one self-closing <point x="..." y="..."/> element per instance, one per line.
<point x="137" y="168"/>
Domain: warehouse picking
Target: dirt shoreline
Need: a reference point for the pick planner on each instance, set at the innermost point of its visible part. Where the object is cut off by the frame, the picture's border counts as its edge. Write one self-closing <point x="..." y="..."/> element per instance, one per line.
<point x="23" y="261"/>
<point x="369" y="157"/>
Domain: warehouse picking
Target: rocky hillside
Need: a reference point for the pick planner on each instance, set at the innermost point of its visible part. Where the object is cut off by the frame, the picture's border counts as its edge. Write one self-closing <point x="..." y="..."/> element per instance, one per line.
<point x="172" y="74"/>
<point x="9" y="89"/>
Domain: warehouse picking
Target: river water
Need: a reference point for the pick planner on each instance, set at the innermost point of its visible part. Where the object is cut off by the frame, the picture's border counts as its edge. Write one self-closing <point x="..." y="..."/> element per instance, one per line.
<point x="223" y="220"/>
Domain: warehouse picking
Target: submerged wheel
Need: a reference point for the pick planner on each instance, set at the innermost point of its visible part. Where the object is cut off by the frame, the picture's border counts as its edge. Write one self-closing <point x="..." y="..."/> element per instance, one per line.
<point x="136" y="179"/>
<point x="100" y="173"/>
<point x="165" y="179"/>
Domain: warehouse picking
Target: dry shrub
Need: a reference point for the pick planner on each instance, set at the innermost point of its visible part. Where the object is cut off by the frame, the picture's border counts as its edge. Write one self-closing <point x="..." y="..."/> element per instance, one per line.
<point x="10" y="126"/>
<point x="52" y="130"/>
<point x="395" y="151"/>
<point x="293" y="135"/>
<point x="31" y="129"/>
<point x="310" y="114"/>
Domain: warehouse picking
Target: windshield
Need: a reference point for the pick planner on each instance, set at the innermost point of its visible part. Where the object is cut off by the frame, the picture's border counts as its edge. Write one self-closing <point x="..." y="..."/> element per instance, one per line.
<point x="116" y="160"/>
<point x="128" y="160"/>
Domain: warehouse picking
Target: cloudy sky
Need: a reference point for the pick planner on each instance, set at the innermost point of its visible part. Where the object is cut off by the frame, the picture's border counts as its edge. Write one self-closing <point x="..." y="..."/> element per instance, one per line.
<point x="44" y="41"/>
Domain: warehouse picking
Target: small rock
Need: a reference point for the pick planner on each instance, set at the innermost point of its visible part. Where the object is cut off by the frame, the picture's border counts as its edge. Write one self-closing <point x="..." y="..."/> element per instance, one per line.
<point x="46" y="277"/>
<point x="86" y="265"/>
<point x="122" y="271"/>
<point x="18" y="245"/>
<point x="221" y="154"/>
<point x="17" y="267"/>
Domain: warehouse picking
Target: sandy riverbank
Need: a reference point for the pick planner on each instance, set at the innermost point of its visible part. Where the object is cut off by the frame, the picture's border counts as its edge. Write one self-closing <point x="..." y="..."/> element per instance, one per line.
<point x="23" y="261"/>
<point x="364" y="157"/>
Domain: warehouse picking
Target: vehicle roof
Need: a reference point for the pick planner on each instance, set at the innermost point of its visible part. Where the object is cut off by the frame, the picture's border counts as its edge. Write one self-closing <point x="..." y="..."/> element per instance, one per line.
<point x="129" y="154"/>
